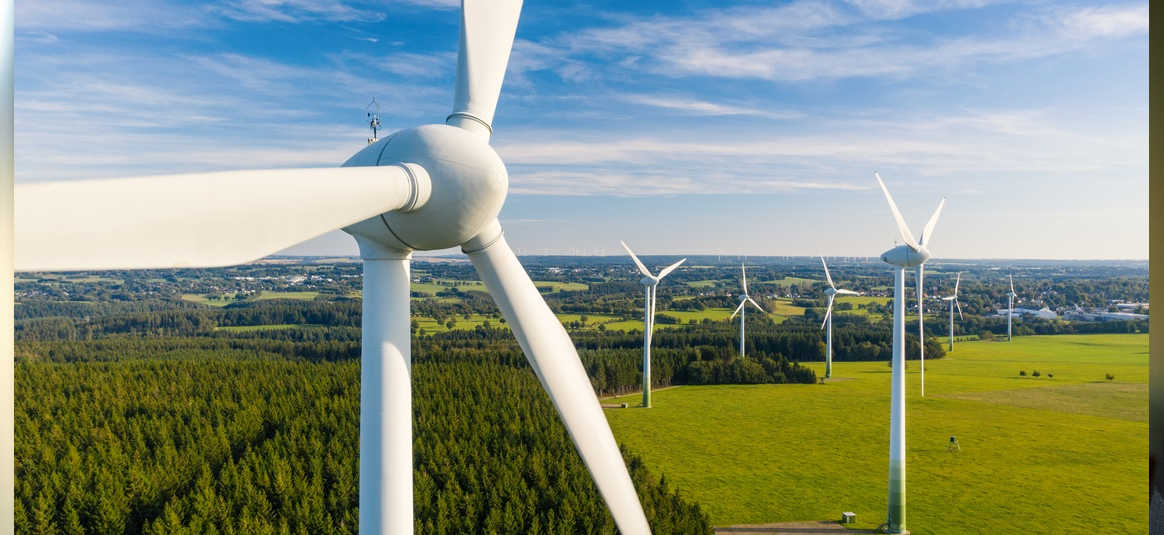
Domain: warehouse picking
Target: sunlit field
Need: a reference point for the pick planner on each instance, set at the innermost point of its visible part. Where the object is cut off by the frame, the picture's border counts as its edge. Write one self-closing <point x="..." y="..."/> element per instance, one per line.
<point x="1059" y="453"/>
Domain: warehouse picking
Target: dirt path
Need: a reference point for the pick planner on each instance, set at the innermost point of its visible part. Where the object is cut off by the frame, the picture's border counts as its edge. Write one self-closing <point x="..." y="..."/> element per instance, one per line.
<point x="830" y="527"/>
<point x="638" y="392"/>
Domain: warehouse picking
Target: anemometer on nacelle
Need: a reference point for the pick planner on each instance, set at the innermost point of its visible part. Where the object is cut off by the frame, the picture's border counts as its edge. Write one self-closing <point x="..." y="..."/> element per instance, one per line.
<point x="373" y="120"/>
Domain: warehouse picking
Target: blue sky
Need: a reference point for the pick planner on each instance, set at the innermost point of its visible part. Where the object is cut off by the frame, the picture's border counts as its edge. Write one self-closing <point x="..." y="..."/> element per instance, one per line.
<point x="680" y="126"/>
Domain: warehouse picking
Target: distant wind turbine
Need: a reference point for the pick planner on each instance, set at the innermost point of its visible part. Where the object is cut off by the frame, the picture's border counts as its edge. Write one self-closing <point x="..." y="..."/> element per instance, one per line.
<point x="1010" y="307"/>
<point x="744" y="300"/>
<point x="953" y="300"/>
<point x="912" y="254"/>
<point x="832" y="292"/>
<point x="649" y="283"/>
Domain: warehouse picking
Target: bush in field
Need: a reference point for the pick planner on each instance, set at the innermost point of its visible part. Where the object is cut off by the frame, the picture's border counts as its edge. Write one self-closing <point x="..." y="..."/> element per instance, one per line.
<point x="1109" y="377"/>
<point x="1035" y="373"/>
<point x="1022" y="373"/>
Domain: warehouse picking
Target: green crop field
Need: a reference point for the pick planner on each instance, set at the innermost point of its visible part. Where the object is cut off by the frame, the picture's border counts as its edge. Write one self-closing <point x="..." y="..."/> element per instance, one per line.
<point x="1038" y="454"/>
<point x="264" y="295"/>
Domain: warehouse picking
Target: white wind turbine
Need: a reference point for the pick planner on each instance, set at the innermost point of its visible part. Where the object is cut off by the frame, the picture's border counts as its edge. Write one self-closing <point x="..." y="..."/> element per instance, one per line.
<point x="832" y="291"/>
<point x="430" y="187"/>
<point x="1010" y="307"/>
<point x="649" y="283"/>
<point x="953" y="300"/>
<point x="911" y="254"/>
<point x="744" y="300"/>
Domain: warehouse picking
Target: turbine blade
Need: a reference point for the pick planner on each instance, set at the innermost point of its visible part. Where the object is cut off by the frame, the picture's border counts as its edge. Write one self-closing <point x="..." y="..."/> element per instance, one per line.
<point x="738" y="309"/>
<point x="902" y="228"/>
<point x="555" y="361"/>
<point x="757" y="305"/>
<point x="198" y="220"/>
<point x="642" y="268"/>
<point x="827" y="276"/>
<point x="928" y="231"/>
<point x="487" y="31"/>
<point x="828" y="312"/>
<point x="744" y="278"/>
<point x="959" y="305"/>
<point x="667" y="270"/>
<point x="1011" y="283"/>
<point x="848" y="292"/>
<point x="957" y="282"/>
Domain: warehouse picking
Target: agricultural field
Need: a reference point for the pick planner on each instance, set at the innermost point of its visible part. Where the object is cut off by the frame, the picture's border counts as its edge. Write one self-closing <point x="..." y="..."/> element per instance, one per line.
<point x="265" y="295"/>
<point x="1059" y="453"/>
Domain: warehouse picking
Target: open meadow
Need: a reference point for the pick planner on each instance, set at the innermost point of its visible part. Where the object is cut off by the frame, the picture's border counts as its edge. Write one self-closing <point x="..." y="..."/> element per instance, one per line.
<point x="1059" y="453"/>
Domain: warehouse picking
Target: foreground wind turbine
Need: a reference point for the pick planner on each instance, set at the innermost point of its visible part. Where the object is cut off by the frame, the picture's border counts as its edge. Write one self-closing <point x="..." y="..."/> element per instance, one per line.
<point x="425" y="188"/>
<point x="1010" y="307"/>
<point x="649" y="283"/>
<point x="953" y="300"/>
<point x="911" y="254"/>
<point x="744" y="300"/>
<point x="832" y="292"/>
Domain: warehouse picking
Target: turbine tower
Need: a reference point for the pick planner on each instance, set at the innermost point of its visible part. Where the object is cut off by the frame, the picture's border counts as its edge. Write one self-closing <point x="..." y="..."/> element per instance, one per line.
<point x="649" y="283"/>
<point x="911" y="254"/>
<point x="832" y="291"/>
<point x="1010" y="307"/>
<point x="431" y="187"/>
<point x="953" y="300"/>
<point x="744" y="300"/>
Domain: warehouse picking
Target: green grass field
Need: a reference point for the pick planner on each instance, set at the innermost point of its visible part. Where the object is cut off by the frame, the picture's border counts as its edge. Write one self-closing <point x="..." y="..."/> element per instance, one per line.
<point x="1039" y="455"/>
<point x="264" y="295"/>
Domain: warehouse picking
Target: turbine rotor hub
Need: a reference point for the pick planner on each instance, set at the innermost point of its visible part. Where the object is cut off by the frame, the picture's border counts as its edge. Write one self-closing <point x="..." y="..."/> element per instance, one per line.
<point x="469" y="185"/>
<point x="904" y="256"/>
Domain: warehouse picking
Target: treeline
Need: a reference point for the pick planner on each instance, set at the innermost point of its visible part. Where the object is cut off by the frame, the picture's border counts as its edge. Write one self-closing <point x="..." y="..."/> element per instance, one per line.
<point x="238" y="445"/>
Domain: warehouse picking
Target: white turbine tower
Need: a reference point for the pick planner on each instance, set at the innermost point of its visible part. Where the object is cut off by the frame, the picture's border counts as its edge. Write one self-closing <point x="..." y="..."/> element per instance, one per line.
<point x="649" y="283"/>
<point x="430" y="187"/>
<point x="832" y="291"/>
<point x="1010" y="307"/>
<point x="953" y="300"/>
<point x="744" y="300"/>
<point x="911" y="254"/>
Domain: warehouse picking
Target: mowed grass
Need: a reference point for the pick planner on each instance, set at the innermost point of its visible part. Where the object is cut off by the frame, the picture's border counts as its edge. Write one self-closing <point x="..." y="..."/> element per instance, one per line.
<point x="264" y="295"/>
<point x="1038" y="455"/>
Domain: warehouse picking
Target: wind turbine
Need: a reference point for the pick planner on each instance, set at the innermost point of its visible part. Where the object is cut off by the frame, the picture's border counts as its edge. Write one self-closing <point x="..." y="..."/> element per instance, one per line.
<point x="1010" y="307"/>
<point x="911" y="254"/>
<point x="430" y="187"/>
<point x="744" y="300"/>
<point x="953" y="300"/>
<point x="832" y="292"/>
<point x="649" y="283"/>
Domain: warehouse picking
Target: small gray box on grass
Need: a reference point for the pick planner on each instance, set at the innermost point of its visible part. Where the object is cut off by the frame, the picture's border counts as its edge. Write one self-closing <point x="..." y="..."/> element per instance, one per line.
<point x="848" y="518"/>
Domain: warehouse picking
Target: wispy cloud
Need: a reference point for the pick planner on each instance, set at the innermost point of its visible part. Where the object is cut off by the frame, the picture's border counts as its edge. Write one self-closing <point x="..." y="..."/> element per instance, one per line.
<point x="694" y="106"/>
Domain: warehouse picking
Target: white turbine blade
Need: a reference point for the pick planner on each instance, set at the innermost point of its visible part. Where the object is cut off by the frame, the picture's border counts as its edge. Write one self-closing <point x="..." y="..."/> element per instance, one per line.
<point x="1011" y="283"/>
<point x="959" y="306"/>
<point x="828" y="312"/>
<point x="902" y="228"/>
<point x="555" y="361"/>
<point x="757" y="305"/>
<point x="642" y="268"/>
<point x="202" y="219"/>
<point x="847" y="292"/>
<point x="957" y="281"/>
<point x="667" y="270"/>
<point x="744" y="278"/>
<point x="487" y="30"/>
<point x="827" y="276"/>
<point x="738" y="309"/>
<point x="928" y="230"/>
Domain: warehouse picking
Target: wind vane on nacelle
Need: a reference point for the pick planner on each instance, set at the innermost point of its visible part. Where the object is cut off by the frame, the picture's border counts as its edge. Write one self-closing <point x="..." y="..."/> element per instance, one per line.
<point x="373" y="120"/>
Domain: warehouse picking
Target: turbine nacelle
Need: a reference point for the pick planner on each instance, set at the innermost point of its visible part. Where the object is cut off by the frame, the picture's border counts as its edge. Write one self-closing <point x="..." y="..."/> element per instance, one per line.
<point x="905" y="256"/>
<point x="468" y="187"/>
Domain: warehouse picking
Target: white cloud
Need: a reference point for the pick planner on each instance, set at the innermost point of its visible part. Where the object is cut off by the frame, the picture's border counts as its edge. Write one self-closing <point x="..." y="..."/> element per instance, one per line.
<point x="694" y="106"/>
